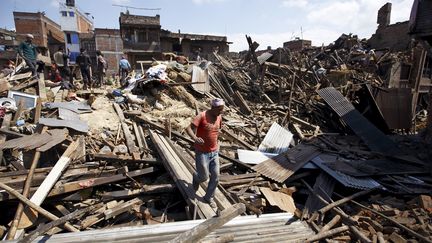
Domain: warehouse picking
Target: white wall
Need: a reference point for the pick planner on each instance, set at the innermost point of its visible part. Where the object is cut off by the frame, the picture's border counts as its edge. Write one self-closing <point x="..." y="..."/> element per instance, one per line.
<point x="68" y="23"/>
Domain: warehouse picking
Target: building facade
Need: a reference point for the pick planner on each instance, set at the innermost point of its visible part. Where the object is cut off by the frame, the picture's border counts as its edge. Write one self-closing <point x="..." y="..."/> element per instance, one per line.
<point x="143" y="39"/>
<point x="297" y="45"/>
<point x="48" y="35"/>
<point x="109" y="42"/>
<point x="74" y="22"/>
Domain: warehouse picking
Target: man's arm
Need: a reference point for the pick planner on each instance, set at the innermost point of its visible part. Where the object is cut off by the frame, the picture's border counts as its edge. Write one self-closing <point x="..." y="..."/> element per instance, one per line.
<point x="35" y="51"/>
<point x="191" y="131"/>
<point x="20" y="49"/>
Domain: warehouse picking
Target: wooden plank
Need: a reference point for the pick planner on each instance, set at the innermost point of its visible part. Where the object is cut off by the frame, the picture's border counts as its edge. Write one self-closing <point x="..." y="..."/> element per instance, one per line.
<point x="25" y="85"/>
<point x="57" y="136"/>
<point x="200" y="231"/>
<point x="137" y="135"/>
<point x="219" y="197"/>
<point x="18" y="112"/>
<point x="43" y="228"/>
<point x="130" y="143"/>
<point x="34" y="206"/>
<point x="240" y="102"/>
<point x="5" y="125"/>
<point x="43" y="190"/>
<point x="146" y="189"/>
<point x="58" y="96"/>
<point x="121" y="208"/>
<point x="181" y="176"/>
<point x="123" y="158"/>
<point x="38" y="110"/>
<point x="26" y="190"/>
<point x="82" y="184"/>
<point x="42" y="88"/>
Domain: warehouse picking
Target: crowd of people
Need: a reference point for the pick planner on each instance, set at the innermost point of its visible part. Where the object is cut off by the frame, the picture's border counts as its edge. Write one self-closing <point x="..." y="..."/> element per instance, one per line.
<point x="62" y="71"/>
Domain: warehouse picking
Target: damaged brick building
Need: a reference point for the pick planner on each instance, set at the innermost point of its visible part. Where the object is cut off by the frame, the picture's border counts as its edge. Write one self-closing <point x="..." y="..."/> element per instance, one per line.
<point x="407" y="76"/>
<point x="143" y="39"/>
<point x="48" y="35"/>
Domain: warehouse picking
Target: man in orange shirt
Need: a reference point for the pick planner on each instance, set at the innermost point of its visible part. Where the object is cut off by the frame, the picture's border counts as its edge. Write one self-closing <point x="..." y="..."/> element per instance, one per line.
<point x="204" y="130"/>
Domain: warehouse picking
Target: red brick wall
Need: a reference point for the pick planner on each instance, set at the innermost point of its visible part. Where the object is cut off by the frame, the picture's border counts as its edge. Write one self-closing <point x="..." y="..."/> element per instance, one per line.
<point x="28" y="26"/>
<point x="42" y="28"/>
<point x="108" y="41"/>
<point x="83" y="25"/>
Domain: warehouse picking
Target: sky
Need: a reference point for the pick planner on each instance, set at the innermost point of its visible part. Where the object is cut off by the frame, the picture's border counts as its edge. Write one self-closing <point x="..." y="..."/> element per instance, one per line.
<point x="268" y="22"/>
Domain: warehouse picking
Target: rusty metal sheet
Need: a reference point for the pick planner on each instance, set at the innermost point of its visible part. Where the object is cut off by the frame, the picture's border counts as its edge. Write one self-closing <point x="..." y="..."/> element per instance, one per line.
<point x="371" y="136"/>
<point x="395" y="106"/>
<point x="281" y="167"/>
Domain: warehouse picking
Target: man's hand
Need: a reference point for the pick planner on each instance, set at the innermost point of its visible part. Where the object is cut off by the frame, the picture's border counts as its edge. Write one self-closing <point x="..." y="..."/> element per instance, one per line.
<point x="199" y="140"/>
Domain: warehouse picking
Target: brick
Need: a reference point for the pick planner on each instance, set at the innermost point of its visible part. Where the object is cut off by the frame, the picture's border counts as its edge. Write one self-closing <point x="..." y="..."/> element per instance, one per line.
<point x="426" y="202"/>
<point x="396" y="238"/>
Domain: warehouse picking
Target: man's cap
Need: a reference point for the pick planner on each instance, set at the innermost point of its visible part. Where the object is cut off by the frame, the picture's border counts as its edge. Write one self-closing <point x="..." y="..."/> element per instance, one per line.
<point x="217" y="102"/>
<point x="30" y="36"/>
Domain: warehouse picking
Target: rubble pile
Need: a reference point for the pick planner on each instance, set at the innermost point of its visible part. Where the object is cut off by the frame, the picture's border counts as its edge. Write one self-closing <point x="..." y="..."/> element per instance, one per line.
<point x="301" y="134"/>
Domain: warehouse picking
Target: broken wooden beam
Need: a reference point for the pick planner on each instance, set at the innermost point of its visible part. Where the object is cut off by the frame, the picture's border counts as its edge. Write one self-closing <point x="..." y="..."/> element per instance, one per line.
<point x="344" y="200"/>
<point x="130" y="143"/>
<point x="43" y="228"/>
<point x="200" y="231"/>
<point x="327" y="234"/>
<point x="123" y="158"/>
<point x="35" y="207"/>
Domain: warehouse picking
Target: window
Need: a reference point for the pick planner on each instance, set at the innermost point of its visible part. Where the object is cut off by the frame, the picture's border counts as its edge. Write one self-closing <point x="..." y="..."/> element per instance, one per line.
<point x="68" y="38"/>
<point x="64" y="13"/>
<point x="142" y="36"/>
<point x="71" y="14"/>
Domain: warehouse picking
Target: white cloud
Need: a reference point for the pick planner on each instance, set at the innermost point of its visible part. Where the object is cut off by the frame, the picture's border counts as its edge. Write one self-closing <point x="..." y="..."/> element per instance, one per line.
<point x="295" y="3"/>
<point x="207" y="1"/>
<point x="401" y="11"/>
<point x="335" y="14"/>
<point x="121" y="1"/>
<point x="55" y="3"/>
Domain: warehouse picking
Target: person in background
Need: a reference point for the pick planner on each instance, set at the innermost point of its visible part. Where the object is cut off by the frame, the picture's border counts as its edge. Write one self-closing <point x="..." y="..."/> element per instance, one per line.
<point x="61" y="61"/>
<point x="84" y="62"/>
<point x="27" y="50"/>
<point x="8" y="68"/>
<point x="124" y="68"/>
<point x="101" y="66"/>
<point x="204" y="130"/>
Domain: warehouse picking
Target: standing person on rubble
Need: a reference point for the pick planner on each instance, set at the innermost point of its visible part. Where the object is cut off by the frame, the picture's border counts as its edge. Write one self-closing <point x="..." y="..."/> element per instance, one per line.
<point x="101" y="66"/>
<point x="124" y="67"/>
<point x="27" y="50"/>
<point x="204" y="130"/>
<point x="61" y="60"/>
<point x="84" y="62"/>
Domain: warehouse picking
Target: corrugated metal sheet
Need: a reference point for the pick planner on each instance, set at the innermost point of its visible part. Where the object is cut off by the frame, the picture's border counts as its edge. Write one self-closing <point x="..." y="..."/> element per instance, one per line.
<point x="281" y="167"/>
<point x="372" y="136"/>
<point x="200" y="75"/>
<point x="395" y="106"/>
<point x="277" y="140"/>
<point x="253" y="157"/>
<point x="266" y="228"/>
<point x="264" y="57"/>
<point x="346" y="180"/>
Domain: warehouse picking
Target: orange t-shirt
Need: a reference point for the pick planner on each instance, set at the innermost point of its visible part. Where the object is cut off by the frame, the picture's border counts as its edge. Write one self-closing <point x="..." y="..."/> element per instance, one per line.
<point x="208" y="132"/>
